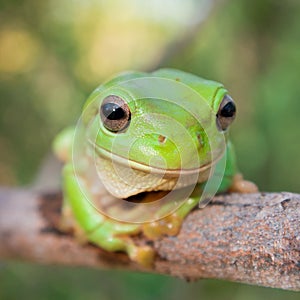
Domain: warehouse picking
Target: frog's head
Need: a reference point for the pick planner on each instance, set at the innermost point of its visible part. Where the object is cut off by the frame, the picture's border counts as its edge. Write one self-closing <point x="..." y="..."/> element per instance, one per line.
<point x="144" y="142"/>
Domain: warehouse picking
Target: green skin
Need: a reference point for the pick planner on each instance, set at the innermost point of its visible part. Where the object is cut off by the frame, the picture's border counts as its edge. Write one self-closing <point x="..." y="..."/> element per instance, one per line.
<point x="109" y="234"/>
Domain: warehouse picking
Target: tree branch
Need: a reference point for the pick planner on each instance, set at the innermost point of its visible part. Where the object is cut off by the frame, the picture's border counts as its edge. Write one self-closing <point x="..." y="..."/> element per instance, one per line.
<point x="253" y="239"/>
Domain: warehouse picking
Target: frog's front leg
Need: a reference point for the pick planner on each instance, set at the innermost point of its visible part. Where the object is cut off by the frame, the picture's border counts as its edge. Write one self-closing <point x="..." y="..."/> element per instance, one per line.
<point x="109" y="234"/>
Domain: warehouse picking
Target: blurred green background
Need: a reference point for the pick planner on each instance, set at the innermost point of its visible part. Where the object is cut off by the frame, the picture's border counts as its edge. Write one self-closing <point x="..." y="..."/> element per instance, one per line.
<point x="54" y="53"/>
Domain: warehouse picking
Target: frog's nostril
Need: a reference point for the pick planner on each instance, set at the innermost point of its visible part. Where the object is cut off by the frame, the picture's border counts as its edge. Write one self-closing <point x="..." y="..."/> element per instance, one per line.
<point x="161" y="139"/>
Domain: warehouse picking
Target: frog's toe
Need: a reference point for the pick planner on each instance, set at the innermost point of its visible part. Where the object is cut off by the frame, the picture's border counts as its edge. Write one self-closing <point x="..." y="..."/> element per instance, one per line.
<point x="169" y="225"/>
<point x="172" y="224"/>
<point x="239" y="185"/>
<point x="143" y="255"/>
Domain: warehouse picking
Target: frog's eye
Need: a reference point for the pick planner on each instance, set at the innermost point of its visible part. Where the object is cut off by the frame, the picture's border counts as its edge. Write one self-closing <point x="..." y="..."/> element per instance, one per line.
<point x="115" y="113"/>
<point x="226" y="113"/>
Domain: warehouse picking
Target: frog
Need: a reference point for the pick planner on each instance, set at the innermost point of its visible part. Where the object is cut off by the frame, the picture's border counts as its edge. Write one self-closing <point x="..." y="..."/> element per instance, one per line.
<point x="144" y="136"/>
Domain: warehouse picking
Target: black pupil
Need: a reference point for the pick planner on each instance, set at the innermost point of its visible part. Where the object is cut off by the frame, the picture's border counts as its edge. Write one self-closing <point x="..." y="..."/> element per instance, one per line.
<point x="228" y="110"/>
<point x="113" y="111"/>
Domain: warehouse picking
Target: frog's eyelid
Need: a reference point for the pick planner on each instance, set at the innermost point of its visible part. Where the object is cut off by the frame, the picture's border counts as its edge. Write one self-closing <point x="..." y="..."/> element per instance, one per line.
<point x="225" y="118"/>
<point x="115" y="114"/>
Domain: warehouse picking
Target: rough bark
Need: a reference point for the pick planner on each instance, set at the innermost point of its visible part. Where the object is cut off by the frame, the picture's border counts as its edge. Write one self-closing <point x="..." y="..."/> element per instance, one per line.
<point x="251" y="238"/>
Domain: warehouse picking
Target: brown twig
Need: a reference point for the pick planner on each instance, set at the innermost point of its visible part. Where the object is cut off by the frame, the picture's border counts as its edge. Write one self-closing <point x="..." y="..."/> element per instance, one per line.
<point x="251" y="238"/>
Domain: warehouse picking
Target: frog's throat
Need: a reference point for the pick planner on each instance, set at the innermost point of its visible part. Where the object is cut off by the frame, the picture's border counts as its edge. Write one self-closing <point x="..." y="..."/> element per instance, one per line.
<point x="153" y="170"/>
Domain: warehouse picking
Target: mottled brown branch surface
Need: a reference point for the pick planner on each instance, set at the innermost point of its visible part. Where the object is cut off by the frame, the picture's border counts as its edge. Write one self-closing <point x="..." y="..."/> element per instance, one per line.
<point x="246" y="238"/>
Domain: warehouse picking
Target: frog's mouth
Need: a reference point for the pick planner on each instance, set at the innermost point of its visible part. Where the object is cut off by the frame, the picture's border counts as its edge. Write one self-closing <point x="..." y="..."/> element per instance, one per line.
<point x="124" y="178"/>
<point x="150" y="169"/>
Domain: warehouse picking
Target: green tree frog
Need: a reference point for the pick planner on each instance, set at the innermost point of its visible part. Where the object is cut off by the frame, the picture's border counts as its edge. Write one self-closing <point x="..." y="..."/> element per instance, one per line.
<point x="147" y="149"/>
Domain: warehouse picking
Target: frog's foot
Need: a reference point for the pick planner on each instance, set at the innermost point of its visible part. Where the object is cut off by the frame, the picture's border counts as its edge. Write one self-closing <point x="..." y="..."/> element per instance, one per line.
<point x="114" y="236"/>
<point x="144" y="255"/>
<point x="169" y="225"/>
<point x="68" y="224"/>
<point x="239" y="185"/>
<point x="109" y="235"/>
